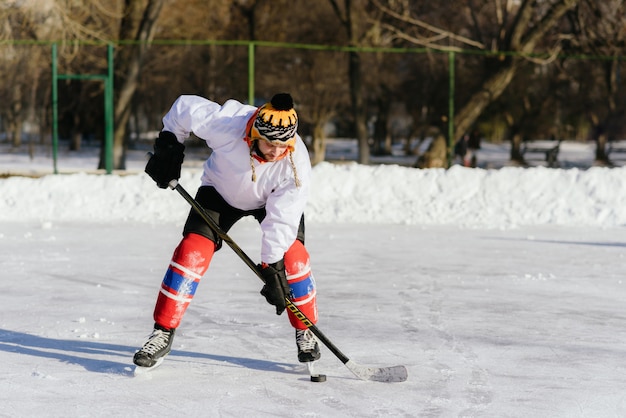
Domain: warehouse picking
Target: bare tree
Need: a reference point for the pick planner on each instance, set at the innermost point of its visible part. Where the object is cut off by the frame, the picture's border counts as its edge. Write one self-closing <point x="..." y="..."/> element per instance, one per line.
<point x="599" y="30"/>
<point x="352" y="22"/>
<point x="522" y="47"/>
<point x="21" y="67"/>
<point x="317" y="79"/>
<point x="521" y="31"/>
<point x="138" y="23"/>
<point x="322" y="93"/>
<point x="63" y="22"/>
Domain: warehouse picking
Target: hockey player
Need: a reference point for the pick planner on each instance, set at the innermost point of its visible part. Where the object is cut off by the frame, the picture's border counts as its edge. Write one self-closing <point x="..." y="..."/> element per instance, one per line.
<point x="260" y="167"/>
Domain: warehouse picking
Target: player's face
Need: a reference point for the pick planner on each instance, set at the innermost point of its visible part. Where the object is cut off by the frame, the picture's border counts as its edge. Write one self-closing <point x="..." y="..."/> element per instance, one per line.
<point x="271" y="151"/>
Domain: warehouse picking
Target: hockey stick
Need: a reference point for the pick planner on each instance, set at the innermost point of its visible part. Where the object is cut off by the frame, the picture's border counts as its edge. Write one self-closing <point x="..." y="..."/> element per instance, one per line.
<point x="378" y="374"/>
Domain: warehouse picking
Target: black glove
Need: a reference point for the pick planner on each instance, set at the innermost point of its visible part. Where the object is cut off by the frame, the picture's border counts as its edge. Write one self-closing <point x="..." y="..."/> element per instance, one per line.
<point x="276" y="287"/>
<point x="164" y="165"/>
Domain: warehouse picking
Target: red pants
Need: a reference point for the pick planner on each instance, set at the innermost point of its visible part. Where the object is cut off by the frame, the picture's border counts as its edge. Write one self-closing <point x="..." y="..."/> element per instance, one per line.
<point x="191" y="260"/>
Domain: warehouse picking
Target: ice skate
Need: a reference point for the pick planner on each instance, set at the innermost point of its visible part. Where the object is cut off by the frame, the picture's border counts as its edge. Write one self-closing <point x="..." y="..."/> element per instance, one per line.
<point x="308" y="348"/>
<point x="159" y="345"/>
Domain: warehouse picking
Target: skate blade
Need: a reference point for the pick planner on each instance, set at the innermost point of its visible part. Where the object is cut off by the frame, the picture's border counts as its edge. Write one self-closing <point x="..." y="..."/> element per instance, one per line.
<point x="140" y="370"/>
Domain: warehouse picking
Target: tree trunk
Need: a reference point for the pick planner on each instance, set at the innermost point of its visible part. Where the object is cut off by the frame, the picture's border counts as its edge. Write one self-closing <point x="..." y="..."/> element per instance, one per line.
<point x="382" y="138"/>
<point x="358" y="108"/>
<point x="355" y="80"/>
<point x="601" y="156"/>
<point x="76" y="134"/>
<point x="613" y="118"/>
<point x="319" y="142"/>
<point x="516" y="149"/>
<point x="16" y="119"/>
<point x="138" y="24"/>
<point x="15" y="128"/>
<point x="490" y="91"/>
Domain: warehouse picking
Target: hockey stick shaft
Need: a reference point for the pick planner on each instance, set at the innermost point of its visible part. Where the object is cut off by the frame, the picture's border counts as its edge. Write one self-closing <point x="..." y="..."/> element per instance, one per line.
<point x="392" y="374"/>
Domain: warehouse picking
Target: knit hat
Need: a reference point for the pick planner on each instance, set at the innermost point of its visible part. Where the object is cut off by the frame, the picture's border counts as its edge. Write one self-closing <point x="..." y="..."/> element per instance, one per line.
<point x="276" y="121"/>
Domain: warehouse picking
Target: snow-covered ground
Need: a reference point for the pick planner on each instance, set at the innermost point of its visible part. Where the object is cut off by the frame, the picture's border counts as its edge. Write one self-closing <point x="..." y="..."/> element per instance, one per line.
<point x="501" y="290"/>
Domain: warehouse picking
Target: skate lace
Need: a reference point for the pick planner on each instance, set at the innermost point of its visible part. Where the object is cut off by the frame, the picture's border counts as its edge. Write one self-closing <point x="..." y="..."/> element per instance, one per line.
<point x="157" y="341"/>
<point x="305" y="340"/>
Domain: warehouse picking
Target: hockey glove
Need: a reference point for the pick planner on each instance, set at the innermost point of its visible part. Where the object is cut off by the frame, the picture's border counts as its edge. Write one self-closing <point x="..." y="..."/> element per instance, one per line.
<point x="164" y="165"/>
<point x="276" y="288"/>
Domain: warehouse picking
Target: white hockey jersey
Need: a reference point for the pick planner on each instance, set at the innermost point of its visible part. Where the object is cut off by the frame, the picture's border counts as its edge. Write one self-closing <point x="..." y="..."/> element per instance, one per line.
<point x="229" y="170"/>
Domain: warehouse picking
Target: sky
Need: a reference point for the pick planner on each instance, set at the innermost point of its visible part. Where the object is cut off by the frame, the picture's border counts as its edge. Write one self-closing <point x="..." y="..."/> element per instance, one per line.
<point x="500" y="289"/>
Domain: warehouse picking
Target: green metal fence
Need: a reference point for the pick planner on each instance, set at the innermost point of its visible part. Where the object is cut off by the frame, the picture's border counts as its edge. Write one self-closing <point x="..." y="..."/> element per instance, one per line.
<point x="108" y="105"/>
<point x="252" y="47"/>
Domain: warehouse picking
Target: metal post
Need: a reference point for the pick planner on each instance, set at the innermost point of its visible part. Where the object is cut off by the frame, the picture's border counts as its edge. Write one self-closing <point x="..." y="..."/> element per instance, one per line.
<point x="108" y="113"/>
<point x="108" y="106"/>
<point x="451" y="94"/>
<point x="251" y="73"/>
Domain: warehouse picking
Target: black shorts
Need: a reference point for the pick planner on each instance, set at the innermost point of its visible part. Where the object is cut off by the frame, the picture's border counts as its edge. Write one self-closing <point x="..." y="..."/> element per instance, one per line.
<point x="223" y="214"/>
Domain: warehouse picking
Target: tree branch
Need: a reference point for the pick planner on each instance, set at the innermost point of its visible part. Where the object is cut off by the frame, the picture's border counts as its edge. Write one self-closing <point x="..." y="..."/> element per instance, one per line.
<point x="419" y="23"/>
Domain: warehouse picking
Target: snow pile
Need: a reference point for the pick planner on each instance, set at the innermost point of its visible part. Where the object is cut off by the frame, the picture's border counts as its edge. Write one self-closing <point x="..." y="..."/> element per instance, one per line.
<point x="350" y="193"/>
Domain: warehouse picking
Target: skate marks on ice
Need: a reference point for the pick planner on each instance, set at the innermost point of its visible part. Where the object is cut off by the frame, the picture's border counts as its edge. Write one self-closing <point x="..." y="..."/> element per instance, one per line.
<point x="449" y="370"/>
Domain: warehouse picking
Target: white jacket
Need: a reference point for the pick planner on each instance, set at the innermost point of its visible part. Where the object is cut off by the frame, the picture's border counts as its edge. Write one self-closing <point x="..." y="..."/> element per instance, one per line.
<point x="228" y="168"/>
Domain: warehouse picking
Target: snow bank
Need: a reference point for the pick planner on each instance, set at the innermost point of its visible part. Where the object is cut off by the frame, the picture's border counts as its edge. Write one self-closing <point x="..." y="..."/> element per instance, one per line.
<point x="349" y="193"/>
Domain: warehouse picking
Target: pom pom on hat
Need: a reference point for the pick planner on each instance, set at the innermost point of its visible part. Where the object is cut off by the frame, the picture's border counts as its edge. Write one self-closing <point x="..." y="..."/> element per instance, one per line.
<point x="282" y="101"/>
<point x="276" y="121"/>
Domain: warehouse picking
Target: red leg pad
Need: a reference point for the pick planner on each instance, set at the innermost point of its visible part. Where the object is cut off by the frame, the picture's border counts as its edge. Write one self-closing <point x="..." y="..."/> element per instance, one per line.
<point x="302" y="284"/>
<point x="189" y="263"/>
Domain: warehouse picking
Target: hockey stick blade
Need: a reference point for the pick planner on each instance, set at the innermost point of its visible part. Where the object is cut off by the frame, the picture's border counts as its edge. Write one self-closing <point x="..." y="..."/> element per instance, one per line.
<point x="378" y="374"/>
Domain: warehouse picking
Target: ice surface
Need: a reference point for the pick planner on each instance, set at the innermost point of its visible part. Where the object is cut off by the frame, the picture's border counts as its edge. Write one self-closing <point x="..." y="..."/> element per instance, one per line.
<point x="501" y="291"/>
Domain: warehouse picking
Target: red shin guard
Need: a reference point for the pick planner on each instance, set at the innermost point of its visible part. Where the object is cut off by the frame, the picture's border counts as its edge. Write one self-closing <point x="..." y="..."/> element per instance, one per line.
<point x="189" y="263"/>
<point x="302" y="284"/>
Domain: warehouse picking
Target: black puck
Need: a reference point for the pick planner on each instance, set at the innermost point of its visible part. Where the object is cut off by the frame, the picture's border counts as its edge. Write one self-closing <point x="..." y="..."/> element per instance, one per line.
<point x="318" y="378"/>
